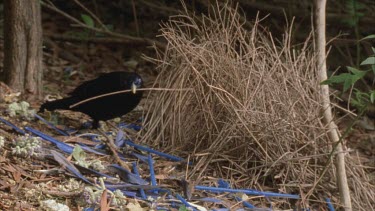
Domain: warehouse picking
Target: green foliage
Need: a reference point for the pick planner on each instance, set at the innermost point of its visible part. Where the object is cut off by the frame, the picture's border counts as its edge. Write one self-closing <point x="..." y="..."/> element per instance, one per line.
<point x="347" y="79"/>
<point x="88" y="20"/>
<point x="353" y="7"/>
<point x="359" y="99"/>
<point x="183" y="208"/>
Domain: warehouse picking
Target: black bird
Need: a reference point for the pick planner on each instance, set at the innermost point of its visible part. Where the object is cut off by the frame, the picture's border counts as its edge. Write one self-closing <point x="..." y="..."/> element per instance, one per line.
<point x="103" y="108"/>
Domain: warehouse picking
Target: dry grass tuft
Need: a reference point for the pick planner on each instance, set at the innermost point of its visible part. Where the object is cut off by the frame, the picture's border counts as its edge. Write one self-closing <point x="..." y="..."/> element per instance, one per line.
<point x="253" y="113"/>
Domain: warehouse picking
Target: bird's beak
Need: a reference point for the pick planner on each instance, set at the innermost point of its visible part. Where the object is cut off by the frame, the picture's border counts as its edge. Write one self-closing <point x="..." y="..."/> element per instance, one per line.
<point x="134" y="88"/>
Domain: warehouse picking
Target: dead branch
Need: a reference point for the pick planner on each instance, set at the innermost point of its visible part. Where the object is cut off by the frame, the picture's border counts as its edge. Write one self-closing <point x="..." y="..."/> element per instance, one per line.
<point x="136" y="40"/>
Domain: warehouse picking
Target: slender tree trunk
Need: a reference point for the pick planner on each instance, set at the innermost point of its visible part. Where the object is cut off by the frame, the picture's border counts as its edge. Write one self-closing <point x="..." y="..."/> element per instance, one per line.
<point x="320" y="22"/>
<point x="23" y="46"/>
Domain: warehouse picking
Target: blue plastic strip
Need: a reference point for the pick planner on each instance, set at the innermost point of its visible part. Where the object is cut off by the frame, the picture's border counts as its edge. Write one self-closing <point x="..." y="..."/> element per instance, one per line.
<point x="140" y="157"/>
<point x="179" y="197"/>
<point x="62" y="146"/>
<point x="152" y="171"/>
<point x="12" y="126"/>
<point x="136" y="172"/>
<point x="250" y="192"/>
<point x="146" y="149"/>
<point x="245" y="203"/>
<point x="330" y="205"/>
<point x="51" y="125"/>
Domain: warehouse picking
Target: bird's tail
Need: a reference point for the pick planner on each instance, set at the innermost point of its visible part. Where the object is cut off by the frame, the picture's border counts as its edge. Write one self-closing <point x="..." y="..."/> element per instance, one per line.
<point x="58" y="104"/>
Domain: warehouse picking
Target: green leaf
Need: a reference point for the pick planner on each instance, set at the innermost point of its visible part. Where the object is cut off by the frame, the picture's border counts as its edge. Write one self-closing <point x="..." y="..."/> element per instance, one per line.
<point x="88" y="20"/>
<point x="78" y="153"/>
<point x="357" y="74"/>
<point x="372" y="36"/>
<point x="369" y="61"/>
<point x="336" y="79"/>
<point x="372" y="96"/>
<point x="347" y="84"/>
<point x="373" y="49"/>
<point x="183" y="208"/>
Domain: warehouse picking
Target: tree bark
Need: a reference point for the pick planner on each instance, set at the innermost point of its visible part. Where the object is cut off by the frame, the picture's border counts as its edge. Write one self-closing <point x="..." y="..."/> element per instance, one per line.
<point x="23" y="46"/>
<point x="320" y="31"/>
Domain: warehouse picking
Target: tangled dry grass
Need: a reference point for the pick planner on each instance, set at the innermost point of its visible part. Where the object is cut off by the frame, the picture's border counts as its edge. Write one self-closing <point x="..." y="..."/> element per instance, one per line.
<point x="252" y="114"/>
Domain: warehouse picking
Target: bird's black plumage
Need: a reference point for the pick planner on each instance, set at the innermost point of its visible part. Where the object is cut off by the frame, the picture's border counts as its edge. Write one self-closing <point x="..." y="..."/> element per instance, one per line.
<point x="103" y="108"/>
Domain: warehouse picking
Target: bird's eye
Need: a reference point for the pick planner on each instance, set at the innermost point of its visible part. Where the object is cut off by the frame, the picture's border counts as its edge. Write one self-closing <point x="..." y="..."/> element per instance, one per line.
<point x="138" y="81"/>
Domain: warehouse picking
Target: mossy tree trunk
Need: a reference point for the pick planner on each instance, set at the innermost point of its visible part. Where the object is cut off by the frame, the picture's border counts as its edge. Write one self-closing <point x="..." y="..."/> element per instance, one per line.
<point x="23" y="47"/>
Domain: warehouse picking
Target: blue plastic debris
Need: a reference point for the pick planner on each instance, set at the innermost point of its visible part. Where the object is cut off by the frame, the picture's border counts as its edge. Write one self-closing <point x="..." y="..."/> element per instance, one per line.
<point x="17" y="129"/>
<point x="223" y="184"/>
<point x="161" y="154"/>
<point x="245" y="191"/>
<point x="126" y="175"/>
<point x="130" y="126"/>
<point x="70" y="167"/>
<point x="329" y="204"/>
<point x="51" y="125"/>
<point x="89" y="149"/>
<point x="245" y="203"/>
<point x="140" y="157"/>
<point x="119" y="140"/>
<point x="136" y="172"/>
<point x="91" y="171"/>
<point x="179" y="197"/>
<point x="152" y="171"/>
<point x="62" y="146"/>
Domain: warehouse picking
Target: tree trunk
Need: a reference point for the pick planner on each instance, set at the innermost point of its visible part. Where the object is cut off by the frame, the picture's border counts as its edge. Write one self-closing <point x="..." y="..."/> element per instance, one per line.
<point x="320" y="31"/>
<point x="23" y="47"/>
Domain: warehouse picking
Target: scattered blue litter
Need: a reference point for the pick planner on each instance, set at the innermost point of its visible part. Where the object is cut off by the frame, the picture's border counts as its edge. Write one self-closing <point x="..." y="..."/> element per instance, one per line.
<point x="329" y="204"/>
<point x="133" y="184"/>
<point x="119" y="140"/>
<point x="152" y="171"/>
<point x="245" y="203"/>
<point x="162" y="208"/>
<point x="129" y="126"/>
<point x="223" y="184"/>
<point x="100" y="146"/>
<point x="17" y="129"/>
<point x="89" y="149"/>
<point x="245" y="191"/>
<point x="51" y="125"/>
<point x="70" y="167"/>
<point x="140" y="157"/>
<point x="62" y="146"/>
<point x="136" y="172"/>
<point x="92" y="171"/>
<point x="126" y="175"/>
<point x="146" y="149"/>
<point x="179" y="197"/>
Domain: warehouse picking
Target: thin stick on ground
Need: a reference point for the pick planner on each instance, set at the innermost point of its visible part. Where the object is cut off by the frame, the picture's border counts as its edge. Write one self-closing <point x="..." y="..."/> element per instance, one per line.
<point x="110" y="143"/>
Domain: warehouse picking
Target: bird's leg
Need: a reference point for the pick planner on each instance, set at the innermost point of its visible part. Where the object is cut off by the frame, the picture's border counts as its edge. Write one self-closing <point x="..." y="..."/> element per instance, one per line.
<point x="95" y="124"/>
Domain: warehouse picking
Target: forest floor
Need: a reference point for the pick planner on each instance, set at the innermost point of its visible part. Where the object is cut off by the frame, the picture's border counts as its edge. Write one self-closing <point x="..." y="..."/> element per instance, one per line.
<point x="27" y="182"/>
